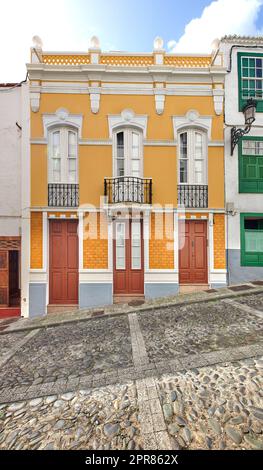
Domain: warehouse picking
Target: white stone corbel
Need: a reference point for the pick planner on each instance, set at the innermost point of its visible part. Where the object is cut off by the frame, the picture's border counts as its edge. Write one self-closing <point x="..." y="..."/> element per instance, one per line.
<point x="95" y="101"/>
<point x="35" y="101"/>
<point x="159" y="100"/>
<point x="218" y="96"/>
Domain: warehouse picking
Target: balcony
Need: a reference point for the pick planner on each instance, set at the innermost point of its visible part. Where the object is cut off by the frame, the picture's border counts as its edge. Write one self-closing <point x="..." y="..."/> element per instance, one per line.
<point x="63" y="195"/>
<point x="128" y="189"/>
<point x="193" y="196"/>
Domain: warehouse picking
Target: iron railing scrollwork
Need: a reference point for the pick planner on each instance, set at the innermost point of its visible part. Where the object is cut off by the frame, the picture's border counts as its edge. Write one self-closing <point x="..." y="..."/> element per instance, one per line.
<point x="128" y="189"/>
<point x="193" y="196"/>
<point x="63" y="195"/>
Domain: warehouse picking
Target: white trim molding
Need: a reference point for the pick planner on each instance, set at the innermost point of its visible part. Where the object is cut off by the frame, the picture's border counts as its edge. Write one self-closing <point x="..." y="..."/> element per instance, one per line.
<point x="192" y="119"/>
<point x="128" y="118"/>
<point x="62" y="117"/>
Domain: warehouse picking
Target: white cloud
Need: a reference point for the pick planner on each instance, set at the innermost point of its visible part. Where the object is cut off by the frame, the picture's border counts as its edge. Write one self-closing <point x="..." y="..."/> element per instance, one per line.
<point x="219" y="18"/>
<point x="52" y="20"/>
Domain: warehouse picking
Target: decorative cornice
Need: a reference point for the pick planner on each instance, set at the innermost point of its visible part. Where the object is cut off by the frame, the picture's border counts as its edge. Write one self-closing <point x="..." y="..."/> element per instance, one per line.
<point x="192" y="119"/>
<point x="62" y="117"/>
<point x="249" y="40"/>
<point x="127" y="118"/>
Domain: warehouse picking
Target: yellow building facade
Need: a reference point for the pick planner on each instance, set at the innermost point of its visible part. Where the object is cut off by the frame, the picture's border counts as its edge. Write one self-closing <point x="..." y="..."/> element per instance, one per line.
<point x="126" y="176"/>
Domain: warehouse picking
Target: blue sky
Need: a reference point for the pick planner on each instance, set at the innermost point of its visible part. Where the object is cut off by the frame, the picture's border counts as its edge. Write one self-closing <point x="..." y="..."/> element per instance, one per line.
<point x="132" y="25"/>
<point x="127" y="25"/>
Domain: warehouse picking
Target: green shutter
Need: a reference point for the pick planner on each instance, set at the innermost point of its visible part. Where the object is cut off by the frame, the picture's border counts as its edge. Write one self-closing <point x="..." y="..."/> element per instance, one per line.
<point x="246" y="87"/>
<point x="250" y="170"/>
<point x="251" y="242"/>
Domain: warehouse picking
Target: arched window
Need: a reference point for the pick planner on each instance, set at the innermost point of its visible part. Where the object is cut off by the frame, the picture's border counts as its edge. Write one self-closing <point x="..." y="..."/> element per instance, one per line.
<point x="127" y="153"/>
<point x="192" y="157"/>
<point x="63" y="158"/>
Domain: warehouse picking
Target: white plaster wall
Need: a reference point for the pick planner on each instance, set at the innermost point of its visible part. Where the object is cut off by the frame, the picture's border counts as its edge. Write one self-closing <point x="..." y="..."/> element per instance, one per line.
<point x="242" y="202"/>
<point x="10" y="162"/>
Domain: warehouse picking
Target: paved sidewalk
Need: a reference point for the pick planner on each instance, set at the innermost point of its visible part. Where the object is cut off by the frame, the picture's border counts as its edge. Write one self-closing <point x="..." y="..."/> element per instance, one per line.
<point x="55" y="319"/>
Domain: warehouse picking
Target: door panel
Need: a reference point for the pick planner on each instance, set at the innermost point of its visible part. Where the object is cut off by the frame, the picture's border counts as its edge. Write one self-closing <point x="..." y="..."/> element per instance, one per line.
<point x="4" y="278"/>
<point x="193" y="252"/>
<point x="129" y="280"/>
<point x="63" y="262"/>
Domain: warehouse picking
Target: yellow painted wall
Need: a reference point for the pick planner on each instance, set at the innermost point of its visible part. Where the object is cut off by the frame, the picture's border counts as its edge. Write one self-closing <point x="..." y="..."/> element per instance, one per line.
<point x="161" y="243"/>
<point x="95" y="163"/>
<point x="219" y="241"/>
<point x="36" y="242"/>
<point x="39" y="190"/>
<point x="95" y="241"/>
<point x="160" y="165"/>
<point x="95" y="126"/>
<point x="216" y="197"/>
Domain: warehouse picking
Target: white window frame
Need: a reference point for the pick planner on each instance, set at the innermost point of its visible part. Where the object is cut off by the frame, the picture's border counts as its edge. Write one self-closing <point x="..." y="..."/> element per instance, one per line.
<point x="191" y="147"/>
<point x="135" y="224"/>
<point x="117" y="246"/>
<point x="128" y="151"/>
<point x="64" y="155"/>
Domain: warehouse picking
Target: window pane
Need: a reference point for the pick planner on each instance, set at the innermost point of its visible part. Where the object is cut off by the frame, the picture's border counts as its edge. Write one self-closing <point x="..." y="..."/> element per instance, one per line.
<point x="120" y="145"/>
<point x="120" y="246"/>
<point x="56" y="169"/>
<point x="56" y="144"/>
<point x="198" y="171"/>
<point x="120" y="167"/>
<point x="183" y="171"/>
<point x="136" y="245"/>
<point x="198" y="145"/>
<point x="72" y="148"/>
<point x="183" y="145"/>
<point x="252" y="147"/>
<point x="135" y="145"/>
<point x="136" y="168"/>
<point x="72" y="170"/>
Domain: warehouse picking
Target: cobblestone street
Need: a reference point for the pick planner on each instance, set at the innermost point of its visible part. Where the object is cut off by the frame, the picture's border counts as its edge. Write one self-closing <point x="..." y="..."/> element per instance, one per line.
<point x="185" y="376"/>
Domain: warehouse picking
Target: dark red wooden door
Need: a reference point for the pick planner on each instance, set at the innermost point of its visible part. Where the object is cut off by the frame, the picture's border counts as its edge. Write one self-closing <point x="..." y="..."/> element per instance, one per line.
<point x="128" y="258"/>
<point x="63" y="262"/>
<point x="193" y="252"/>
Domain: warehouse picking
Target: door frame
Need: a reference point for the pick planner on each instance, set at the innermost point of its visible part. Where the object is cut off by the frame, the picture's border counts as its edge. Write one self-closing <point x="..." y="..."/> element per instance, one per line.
<point x="207" y="221"/>
<point x="128" y="221"/>
<point x="47" y="253"/>
<point x="7" y="244"/>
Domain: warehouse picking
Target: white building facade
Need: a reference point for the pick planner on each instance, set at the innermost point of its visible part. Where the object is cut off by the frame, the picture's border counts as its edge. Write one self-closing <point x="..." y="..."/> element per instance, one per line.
<point x="14" y="125"/>
<point x="243" y="59"/>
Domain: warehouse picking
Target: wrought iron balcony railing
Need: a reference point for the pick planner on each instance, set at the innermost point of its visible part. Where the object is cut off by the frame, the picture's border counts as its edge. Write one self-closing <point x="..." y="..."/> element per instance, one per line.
<point x="128" y="189"/>
<point x="63" y="195"/>
<point x="193" y="196"/>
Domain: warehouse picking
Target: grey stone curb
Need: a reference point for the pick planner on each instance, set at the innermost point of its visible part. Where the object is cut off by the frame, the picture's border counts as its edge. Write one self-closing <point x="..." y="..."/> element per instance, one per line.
<point x="150" y="371"/>
<point x="208" y="298"/>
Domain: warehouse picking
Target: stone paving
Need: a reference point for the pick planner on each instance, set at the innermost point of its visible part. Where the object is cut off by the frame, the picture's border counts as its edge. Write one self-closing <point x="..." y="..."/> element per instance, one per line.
<point x="198" y="328"/>
<point x="181" y="376"/>
<point x="70" y="352"/>
<point x="254" y="301"/>
<point x="218" y="407"/>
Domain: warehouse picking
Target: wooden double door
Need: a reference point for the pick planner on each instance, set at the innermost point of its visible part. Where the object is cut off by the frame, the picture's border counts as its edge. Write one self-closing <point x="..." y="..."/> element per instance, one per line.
<point x="193" y="252"/>
<point x="128" y="258"/>
<point x="63" y="262"/>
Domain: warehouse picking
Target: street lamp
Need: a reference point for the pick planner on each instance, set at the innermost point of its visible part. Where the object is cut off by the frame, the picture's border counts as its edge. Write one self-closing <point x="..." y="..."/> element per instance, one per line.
<point x="249" y="114"/>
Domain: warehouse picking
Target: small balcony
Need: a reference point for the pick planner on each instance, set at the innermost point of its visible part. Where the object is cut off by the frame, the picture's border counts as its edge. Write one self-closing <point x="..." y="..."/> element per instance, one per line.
<point x="193" y="196"/>
<point x="63" y="195"/>
<point x="128" y="189"/>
